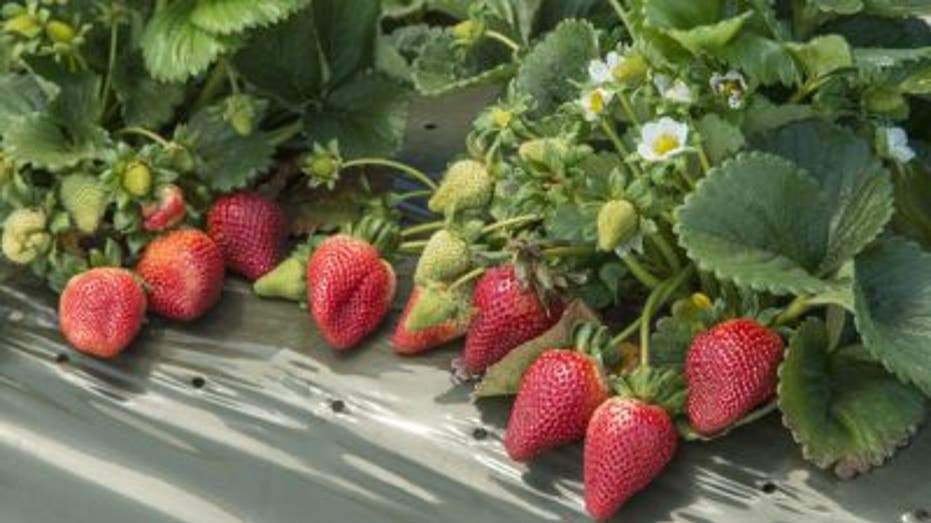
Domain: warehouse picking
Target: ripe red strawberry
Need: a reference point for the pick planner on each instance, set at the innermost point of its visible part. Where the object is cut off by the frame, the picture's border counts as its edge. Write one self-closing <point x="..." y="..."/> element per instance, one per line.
<point x="349" y="289"/>
<point x="166" y="212"/>
<point x="250" y="230"/>
<point x="729" y="371"/>
<point x="557" y="396"/>
<point x="627" y="444"/>
<point x="101" y="311"/>
<point x="509" y="314"/>
<point x="409" y="342"/>
<point x="184" y="274"/>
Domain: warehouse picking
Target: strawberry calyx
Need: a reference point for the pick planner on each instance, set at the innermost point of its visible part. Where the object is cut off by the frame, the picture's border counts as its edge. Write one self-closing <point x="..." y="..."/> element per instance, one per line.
<point x="382" y="234"/>
<point x="664" y="387"/>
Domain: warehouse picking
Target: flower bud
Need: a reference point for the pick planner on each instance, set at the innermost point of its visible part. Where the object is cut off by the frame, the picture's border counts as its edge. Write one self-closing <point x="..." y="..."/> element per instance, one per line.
<point x="60" y="32"/>
<point x="617" y="222"/>
<point x="24" y="236"/>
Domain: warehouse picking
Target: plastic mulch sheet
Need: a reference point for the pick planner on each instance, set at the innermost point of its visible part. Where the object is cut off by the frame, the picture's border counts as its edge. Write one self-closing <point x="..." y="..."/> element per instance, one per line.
<point x="247" y="416"/>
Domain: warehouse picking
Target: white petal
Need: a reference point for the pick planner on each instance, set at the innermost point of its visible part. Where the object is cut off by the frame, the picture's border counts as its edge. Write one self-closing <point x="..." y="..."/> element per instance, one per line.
<point x="598" y="72"/>
<point x="646" y="152"/>
<point x="613" y="60"/>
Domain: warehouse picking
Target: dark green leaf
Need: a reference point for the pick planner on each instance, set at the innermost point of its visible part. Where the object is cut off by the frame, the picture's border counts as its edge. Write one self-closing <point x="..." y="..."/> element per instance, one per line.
<point x="764" y="60"/>
<point x="144" y="101"/>
<point x="842" y="407"/>
<point x="346" y="29"/>
<point x="21" y="95"/>
<point x="176" y="49"/>
<point x="892" y="294"/>
<point x="720" y="138"/>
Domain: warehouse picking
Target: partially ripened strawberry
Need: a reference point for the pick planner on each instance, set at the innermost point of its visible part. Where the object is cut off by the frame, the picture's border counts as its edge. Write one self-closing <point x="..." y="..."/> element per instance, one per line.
<point x="408" y="341"/>
<point x="250" y="230"/>
<point x="729" y="371"/>
<point x="557" y="396"/>
<point x="627" y="445"/>
<point x="508" y="314"/>
<point x="166" y="211"/>
<point x="349" y="289"/>
<point x="445" y="257"/>
<point x="101" y="311"/>
<point x="183" y="271"/>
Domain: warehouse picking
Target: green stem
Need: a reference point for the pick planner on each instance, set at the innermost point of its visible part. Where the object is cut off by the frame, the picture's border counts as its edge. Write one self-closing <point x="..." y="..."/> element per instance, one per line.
<point x="398" y="198"/>
<point x="703" y="159"/>
<point x="407" y="169"/>
<point x="466" y="278"/>
<point x="141" y="131"/>
<point x="412" y="247"/>
<point x="495" y="35"/>
<point x="625" y="19"/>
<point x="519" y="220"/>
<point x="568" y="251"/>
<point x="644" y="276"/>
<point x="619" y="145"/>
<point x="800" y="305"/>
<point x="628" y="108"/>
<point x="657" y="298"/>
<point x="423" y="227"/>
<point x="284" y="133"/>
<point x="627" y="332"/>
<point x="111" y="65"/>
<point x="211" y="86"/>
<point x="666" y="249"/>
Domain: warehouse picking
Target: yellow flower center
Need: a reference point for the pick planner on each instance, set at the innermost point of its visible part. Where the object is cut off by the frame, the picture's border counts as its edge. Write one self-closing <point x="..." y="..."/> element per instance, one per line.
<point x="665" y="143"/>
<point x="596" y="103"/>
<point x="501" y="117"/>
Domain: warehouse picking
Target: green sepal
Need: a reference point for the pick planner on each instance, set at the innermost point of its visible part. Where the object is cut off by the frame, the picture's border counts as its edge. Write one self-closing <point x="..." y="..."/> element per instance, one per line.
<point x="662" y="387"/>
<point x="289" y="279"/>
<point x="382" y="234"/>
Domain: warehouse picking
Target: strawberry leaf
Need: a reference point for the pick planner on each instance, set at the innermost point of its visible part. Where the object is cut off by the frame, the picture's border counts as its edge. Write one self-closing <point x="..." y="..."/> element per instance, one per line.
<point x="764" y="59"/>
<point x="550" y="71"/>
<point x="440" y="67"/>
<point x="22" y="95"/>
<point x="367" y="116"/>
<point x="720" y="138"/>
<point x="844" y="409"/>
<point x="144" y="101"/>
<point x="893" y="310"/>
<point x="174" y="47"/>
<point x="503" y="378"/>
<point x="232" y="16"/>
<point x="37" y="139"/>
<point x="346" y="29"/>
<point x="709" y="38"/>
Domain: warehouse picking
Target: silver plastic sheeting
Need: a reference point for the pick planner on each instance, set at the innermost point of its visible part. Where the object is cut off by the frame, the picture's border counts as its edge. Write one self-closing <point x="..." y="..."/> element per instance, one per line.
<point x="247" y="416"/>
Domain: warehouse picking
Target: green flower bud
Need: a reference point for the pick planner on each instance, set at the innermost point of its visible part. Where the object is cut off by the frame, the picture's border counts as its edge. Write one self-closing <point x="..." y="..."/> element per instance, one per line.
<point x="241" y="114"/>
<point x="467" y="32"/>
<point x="60" y="32"/>
<point x="86" y="199"/>
<point x="537" y="151"/>
<point x="24" y="236"/>
<point x="445" y="257"/>
<point x="180" y="158"/>
<point x="467" y="185"/>
<point x="632" y="69"/>
<point x="617" y="222"/>
<point x="501" y="118"/>
<point x="137" y="179"/>
<point x="23" y="24"/>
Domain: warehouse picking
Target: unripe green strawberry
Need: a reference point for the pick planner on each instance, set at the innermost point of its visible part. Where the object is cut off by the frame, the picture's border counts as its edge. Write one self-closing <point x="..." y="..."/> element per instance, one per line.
<point x="137" y="179"/>
<point x="632" y="70"/>
<point x="467" y="185"/>
<point x="437" y="305"/>
<point x="286" y="281"/>
<point x="24" y="235"/>
<point x="445" y="257"/>
<point x="59" y="32"/>
<point x="86" y="199"/>
<point x="535" y="151"/>
<point x="24" y="24"/>
<point x="240" y="112"/>
<point x="617" y="223"/>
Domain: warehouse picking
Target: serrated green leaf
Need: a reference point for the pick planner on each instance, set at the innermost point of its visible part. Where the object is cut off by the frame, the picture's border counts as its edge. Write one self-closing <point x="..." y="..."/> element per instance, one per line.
<point x="21" y="95"/>
<point x="503" y="378"/>
<point x="519" y="15"/>
<point x="367" y="116"/>
<point x="841" y="7"/>
<point x="822" y="55"/>
<point x="758" y="220"/>
<point x="670" y="342"/>
<point x="764" y="60"/>
<point x="548" y="72"/>
<point x="573" y="223"/>
<point x="712" y="37"/>
<point x="763" y="115"/>
<point x="683" y="14"/>
<point x="892" y="297"/>
<point x="346" y="30"/>
<point x="229" y="160"/>
<point x="894" y="67"/>
<point x="720" y="138"/>
<point x="440" y="67"/>
<point x="144" y="101"/>
<point x="913" y="204"/>
<point x="38" y="140"/>
<point x="233" y="16"/>
<point x="844" y="409"/>
<point x="554" y="11"/>
<point x="174" y="48"/>
<point x="857" y="189"/>
<point x="284" y="61"/>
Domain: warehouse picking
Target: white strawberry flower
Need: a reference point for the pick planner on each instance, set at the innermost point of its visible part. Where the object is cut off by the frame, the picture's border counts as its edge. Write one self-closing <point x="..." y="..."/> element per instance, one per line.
<point x="663" y="139"/>
<point x="675" y="91"/>
<point x="601" y="72"/>
<point x="897" y="145"/>
<point x="594" y="102"/>
<point x="732" y="86"/>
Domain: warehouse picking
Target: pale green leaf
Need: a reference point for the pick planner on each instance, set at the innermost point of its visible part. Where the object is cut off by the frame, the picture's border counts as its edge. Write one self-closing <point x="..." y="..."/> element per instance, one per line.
<point x="720" y="138"/>
<point x="174" y="48"/>
<point x="845" y="411"/>
<point x="440" y="67"/>
<point x="762" y="59"/>
<point x="709" y="38"/>
<point x="38" y="140"/>
<point x="892" y="297"/>
<point x="549" y="71"/>
<point x="367" y="116"/>
<point x="822" y="55"/>
<point x="20" y="95"/>
<point x="841" y="7"/>
<point x="233" y="16"/>
<point x="683" y="14"/>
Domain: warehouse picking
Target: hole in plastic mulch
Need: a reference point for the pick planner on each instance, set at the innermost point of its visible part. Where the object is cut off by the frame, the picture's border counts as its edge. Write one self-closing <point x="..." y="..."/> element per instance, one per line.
<point x="61" y="358"/>
<point x="429" y="126"/>
<point x="338" y="406"/>
<point x="922" y="515"/>
<point x="198" y="382"/>
<point x="769" y="487"/>
<point x="479" y="433"/>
